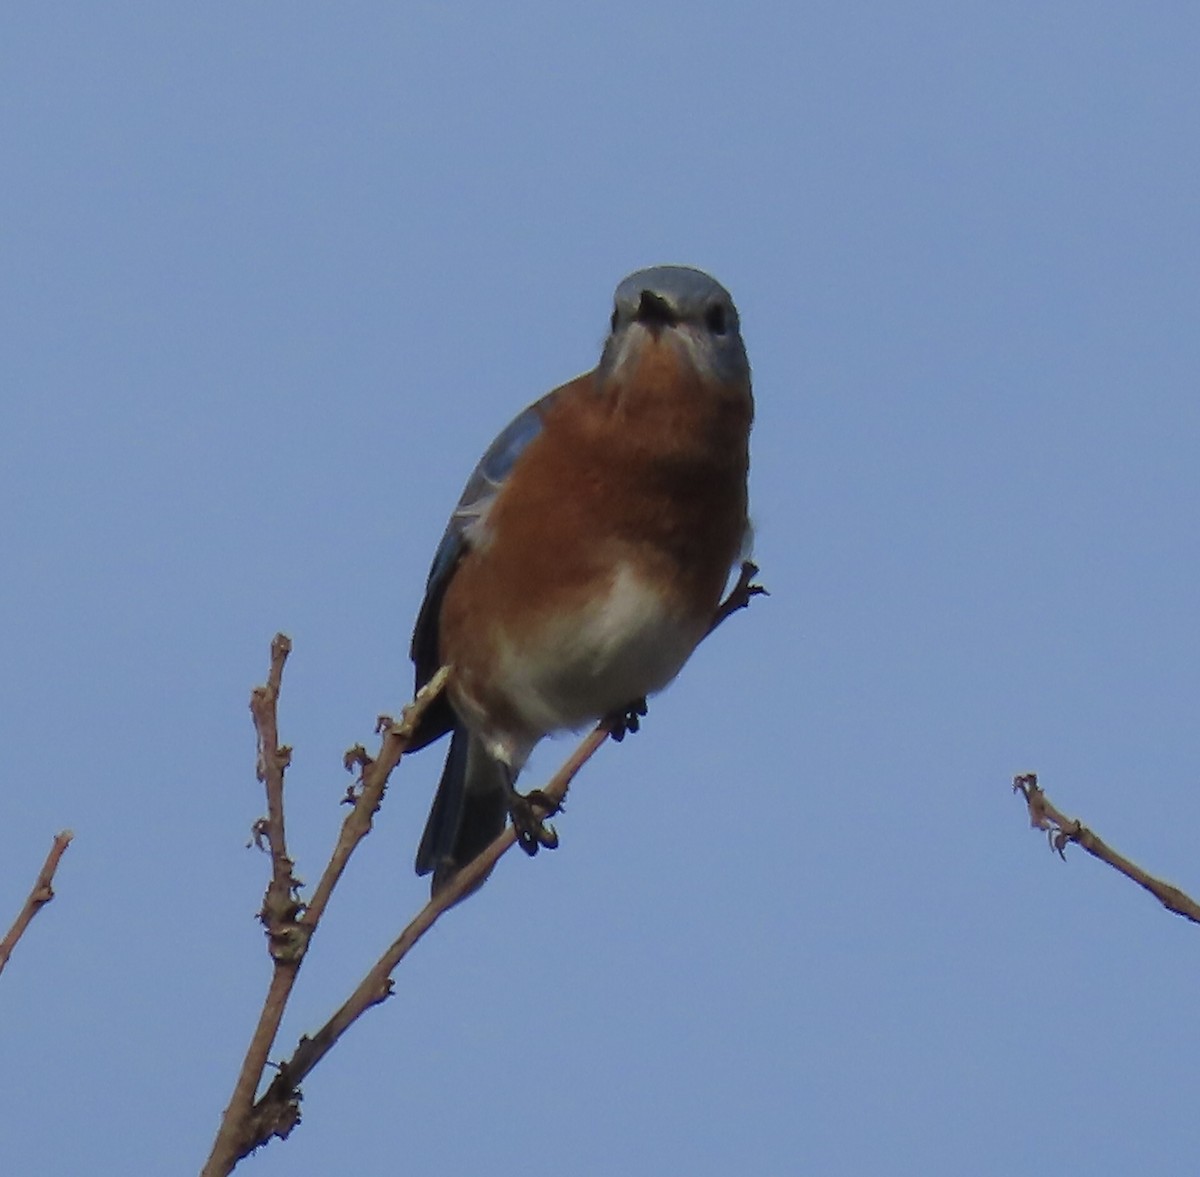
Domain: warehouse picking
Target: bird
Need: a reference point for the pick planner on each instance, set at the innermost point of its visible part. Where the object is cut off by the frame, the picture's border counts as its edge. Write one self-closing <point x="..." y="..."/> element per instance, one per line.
<point x="587" y="555"/>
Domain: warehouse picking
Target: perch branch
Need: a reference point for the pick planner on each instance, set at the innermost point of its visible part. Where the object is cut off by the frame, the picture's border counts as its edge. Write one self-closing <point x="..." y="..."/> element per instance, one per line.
<point x="1062" y="830"/>
<point x="290" y="923"/>
<point x="376" y="986"/>
<point x="42" y="893"/>
<point x="367" y="801"/>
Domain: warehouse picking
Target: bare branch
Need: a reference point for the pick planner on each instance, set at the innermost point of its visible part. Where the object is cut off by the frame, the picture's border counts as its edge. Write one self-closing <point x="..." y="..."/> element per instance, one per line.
<point x="366" y="802"/>
<point x="289" y="923"/>
<point x="376" y="986"/>
<point x="280" y="905"/>
<point x="278" y="915"/>
<point x="42" y="893"/>
<point x="1062" y="830"/>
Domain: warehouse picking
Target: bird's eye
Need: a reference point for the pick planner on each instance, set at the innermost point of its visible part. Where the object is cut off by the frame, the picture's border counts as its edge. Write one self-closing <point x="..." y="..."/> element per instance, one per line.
<point x="612" y="323"/>
<point x="715" y="319"/>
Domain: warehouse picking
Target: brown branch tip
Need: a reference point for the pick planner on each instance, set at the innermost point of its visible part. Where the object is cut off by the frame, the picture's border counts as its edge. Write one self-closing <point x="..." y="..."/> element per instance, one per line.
<point x="39" y="896"/>
<point x="1061" y="830"/>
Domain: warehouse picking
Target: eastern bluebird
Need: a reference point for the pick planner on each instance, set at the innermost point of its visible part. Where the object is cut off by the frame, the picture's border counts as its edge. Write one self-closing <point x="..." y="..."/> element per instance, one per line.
<point x="587" y="555"/>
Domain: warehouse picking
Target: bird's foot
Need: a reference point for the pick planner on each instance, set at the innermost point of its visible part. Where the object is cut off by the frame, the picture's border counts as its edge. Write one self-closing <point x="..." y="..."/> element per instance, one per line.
<point x="531" y="829"/>
<point x="626" y="720"/>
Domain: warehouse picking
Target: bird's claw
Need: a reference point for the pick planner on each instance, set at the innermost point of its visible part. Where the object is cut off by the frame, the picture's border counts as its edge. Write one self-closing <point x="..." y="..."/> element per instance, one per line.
<point x="626" y="721"/>
<point x="544" y="801"/>
<point x="531" y="829"/>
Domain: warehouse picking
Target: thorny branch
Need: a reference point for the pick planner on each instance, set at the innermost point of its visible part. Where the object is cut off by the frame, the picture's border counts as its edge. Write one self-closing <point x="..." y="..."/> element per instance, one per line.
<point x="249" y="1124"/>
<point x="42" y="893"/>
<point x="1061" y="830"/>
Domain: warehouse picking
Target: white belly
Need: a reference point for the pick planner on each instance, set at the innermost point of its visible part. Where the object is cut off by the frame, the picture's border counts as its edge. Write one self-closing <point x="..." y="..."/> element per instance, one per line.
<point x="578" y="669"/>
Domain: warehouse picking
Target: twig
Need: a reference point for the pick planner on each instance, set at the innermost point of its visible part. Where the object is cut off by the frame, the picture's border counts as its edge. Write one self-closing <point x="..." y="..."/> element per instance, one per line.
<point x="289" y="923"/>
<point x="366" y="803"/>
<point x="42" y="893"/>
<point x="278" y="915"/>
<point x="1061" y="830"/>
<point x="280" y="905"/>
<point x="376" y="986"/>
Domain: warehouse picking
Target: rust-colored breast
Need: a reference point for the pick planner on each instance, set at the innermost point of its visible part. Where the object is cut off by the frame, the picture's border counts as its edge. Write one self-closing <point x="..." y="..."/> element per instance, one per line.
<point x="647" y="473"/>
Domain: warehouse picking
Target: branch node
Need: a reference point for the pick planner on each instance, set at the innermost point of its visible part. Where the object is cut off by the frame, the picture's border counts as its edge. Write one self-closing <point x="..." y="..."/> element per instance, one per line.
<point x="258" y="836"/>
<point x="287" y="945"/>
<point x="357" y="757"/>
<point x="40" y="894"/>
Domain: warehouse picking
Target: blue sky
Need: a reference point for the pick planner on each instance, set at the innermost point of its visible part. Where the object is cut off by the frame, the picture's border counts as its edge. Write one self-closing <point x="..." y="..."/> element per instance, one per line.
<point x="274" y="275"/>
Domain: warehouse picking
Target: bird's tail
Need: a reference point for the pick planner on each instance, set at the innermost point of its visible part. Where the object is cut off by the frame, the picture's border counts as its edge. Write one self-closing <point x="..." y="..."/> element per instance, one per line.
<point x="469" y="809"/>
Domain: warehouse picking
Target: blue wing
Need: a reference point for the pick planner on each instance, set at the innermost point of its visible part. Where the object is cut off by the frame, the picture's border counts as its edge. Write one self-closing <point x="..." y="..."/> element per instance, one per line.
<point x="477" y="496"/>
<point x="471" y="804"/>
